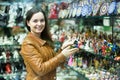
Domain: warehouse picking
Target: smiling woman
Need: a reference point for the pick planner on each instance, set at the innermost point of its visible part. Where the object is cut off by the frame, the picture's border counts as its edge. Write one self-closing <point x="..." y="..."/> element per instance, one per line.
<point x="37" y="51"/>
<point x="37" y="23"/>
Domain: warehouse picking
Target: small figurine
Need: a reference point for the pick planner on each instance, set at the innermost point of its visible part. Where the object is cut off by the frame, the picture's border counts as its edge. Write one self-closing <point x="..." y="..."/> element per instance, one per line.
<point x="104" y="47"/>
<point x="70" y="62"/>
<point x="53" y="11"/>
<point x="8" y="68"/>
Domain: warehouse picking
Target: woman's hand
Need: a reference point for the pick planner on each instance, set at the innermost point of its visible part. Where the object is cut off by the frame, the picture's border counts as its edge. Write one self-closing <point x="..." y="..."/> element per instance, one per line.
<point x="67" y="43"/>
<point x="69" y="51"/>
<point x="117" y="58"/>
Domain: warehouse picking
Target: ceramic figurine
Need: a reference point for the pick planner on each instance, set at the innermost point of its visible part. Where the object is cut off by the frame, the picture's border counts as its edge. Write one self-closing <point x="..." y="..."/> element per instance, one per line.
<point x="96" y="63"/>
<point x="104" y="47"/>
<point x="16" y="55"/>
<point x="8" y="68"/>
<point x="104" y="9"/>
<point x="53" y="11"/>
<point x="4" y="56"/>
<point x="112" y="8"/>
<point x="70" y="61"/>
<point x="8" y="55"/>
<point x="62" y="37"/>
<point x="12" y="13"/>
<point x="84" y="64"/>
<point x="96" y="8"/>
<point x="88" y="47"/>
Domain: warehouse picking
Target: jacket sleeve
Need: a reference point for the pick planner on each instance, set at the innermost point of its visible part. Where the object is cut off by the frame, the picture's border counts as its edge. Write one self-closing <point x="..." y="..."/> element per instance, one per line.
<point x="30" y="55"/>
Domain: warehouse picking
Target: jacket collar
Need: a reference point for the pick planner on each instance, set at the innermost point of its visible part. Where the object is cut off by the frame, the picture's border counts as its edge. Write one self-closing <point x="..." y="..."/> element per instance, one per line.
<point x="41" y="41"/>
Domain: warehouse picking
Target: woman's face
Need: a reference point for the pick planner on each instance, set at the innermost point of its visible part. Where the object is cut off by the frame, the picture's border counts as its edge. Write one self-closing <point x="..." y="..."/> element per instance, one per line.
<point x="37" y="23"/>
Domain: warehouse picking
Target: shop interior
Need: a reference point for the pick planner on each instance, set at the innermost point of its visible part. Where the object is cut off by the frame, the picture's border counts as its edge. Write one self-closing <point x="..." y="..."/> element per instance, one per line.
<point x="94" y="24"/>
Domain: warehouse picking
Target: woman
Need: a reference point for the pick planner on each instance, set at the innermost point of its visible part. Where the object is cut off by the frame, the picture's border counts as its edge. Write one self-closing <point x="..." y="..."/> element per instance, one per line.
<point x="39" y="57"/>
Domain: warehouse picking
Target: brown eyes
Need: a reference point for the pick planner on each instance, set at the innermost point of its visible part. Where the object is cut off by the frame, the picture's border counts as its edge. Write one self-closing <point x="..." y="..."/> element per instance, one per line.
<point x="36" y="20"/>
<point x="42" y="20"/>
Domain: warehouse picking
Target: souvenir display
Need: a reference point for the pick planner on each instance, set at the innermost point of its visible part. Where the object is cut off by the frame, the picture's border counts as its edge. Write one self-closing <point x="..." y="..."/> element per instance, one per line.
<point x="98" y="57"/>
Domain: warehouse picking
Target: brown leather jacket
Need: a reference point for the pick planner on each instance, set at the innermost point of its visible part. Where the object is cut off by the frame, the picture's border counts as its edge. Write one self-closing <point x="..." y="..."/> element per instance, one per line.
<point x="40" y="59"/>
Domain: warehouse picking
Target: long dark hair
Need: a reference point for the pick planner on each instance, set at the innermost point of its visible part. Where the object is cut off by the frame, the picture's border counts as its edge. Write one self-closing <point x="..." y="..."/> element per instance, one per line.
<point x="45" y="33"/>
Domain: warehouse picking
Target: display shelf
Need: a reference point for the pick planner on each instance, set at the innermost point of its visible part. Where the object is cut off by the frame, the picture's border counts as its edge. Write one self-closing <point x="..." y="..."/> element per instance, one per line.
<point x="11" y="45"/>
<point x="111" y="58"/>
<point x="13" y="76"/>
<point x="79" y="74"/>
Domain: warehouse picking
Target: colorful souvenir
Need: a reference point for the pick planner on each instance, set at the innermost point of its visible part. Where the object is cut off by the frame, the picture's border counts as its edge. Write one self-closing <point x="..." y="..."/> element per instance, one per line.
<point x="70" y="61"/>
<point x="66" y="13"/>
<point x="78" y="11"/>
<point x="53" y="11"/>
<point x="70" y="13"/>
<point x="74" y="10"/>
<point x="79" y="8"/>
<point x="95" y="1"/>
<point x="104" y="9"/>
<point x="104" y="47"/>
<point x="90" y="10"/>
<point x="59" y="14"/>
<point x="8" y="68"/>
<point x="62" y="13"/>
<point x="112" y="8"/>
<point x="84" y="10"/>
<point x="96" y="8"/>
